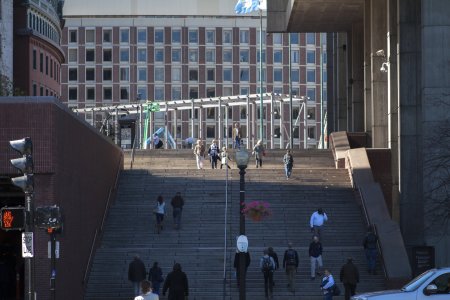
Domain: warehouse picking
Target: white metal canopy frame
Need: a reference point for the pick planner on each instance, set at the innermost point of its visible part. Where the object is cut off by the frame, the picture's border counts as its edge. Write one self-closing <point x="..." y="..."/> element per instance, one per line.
<point x="214" y="102"/>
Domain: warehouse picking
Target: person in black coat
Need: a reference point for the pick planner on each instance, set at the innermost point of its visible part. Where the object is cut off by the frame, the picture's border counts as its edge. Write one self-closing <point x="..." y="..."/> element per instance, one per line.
<point x="177" y="284"/>
<point x="349" y="277"/>
<point x="236" y="264"/>
<point x="136" y="273"/>
<point x="155" y="276"/>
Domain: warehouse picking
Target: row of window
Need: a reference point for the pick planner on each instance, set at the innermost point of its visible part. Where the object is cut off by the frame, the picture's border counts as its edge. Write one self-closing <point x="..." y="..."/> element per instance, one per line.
<point x="47" y="65"/>
<point x="43" y="26"/>
<point x="192" y="36"/>
<point x="43" y="91"/>
<point x="159" y="93"/>
<point x="192" y="55"/>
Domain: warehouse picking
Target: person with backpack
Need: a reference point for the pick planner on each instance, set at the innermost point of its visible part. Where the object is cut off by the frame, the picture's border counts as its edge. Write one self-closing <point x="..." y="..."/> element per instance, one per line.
<point x="177" y="208"/>
<point x="274" y="255"/>
<point x="349" y="277"/>
<point x="315" y="254"/>
<point x="288" y="164"/>
<point x="370" y="247"/>
<point x="267" y="266"/>
<point x="290" y="263"/>
<point x="213" y="153"/>
<point x="328" y="286"/>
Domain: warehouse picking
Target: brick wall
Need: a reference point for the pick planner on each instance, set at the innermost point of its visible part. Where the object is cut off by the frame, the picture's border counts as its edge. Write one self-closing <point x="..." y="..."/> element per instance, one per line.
<point x="76" y="169"/>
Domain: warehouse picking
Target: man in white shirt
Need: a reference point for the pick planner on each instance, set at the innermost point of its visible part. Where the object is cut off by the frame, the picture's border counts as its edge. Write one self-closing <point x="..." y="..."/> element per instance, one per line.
<point x="318" y="219"/>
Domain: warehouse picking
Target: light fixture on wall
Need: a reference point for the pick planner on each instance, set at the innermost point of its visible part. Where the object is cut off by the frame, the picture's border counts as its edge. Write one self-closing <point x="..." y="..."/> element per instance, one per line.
<point x="385" y="65"/>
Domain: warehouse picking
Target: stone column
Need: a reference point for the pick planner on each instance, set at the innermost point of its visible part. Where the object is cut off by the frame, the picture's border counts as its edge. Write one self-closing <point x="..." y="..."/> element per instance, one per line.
<point x="367" y="73"/>
<point x="409" y="83"/>
<point x="330" y="86"/>
<point x="378" y="78"/>
<point x="435" y="94"/>
<point x="357" y="78"/>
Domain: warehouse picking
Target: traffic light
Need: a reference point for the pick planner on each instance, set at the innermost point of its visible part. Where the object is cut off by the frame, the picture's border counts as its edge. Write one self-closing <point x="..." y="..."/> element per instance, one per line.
<point x="13" y="218"/>
<point x="24" y="164"/>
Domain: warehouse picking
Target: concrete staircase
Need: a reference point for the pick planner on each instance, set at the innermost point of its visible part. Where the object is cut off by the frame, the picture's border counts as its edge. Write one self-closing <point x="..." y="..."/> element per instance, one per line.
<point x="200" y="244"/>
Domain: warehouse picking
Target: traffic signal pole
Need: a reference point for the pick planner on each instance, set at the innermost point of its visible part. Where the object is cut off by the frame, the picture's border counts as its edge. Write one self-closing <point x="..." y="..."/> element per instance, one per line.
<point x="29" y="227"/>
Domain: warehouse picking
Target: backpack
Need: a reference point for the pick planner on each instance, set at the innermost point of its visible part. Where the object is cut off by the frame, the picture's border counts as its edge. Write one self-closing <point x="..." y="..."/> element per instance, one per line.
<point x="290" y="258"/>
<point x="266" y="265"/>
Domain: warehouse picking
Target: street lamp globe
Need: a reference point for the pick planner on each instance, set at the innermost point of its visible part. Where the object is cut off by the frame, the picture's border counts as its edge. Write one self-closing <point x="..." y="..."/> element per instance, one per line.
<point x="242" y="158"/>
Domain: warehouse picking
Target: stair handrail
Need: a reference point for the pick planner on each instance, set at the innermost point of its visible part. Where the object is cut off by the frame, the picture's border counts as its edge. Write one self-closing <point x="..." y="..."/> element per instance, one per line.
<point x="366" y="216"/>
<point x="100" y="230"/>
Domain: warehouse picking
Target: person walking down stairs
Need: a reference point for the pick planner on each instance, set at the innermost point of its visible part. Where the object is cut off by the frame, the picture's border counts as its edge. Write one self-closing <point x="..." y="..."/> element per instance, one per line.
<point x="318" y="219"/>
<point x="199" y="152"/>
<point x="177" y="284"/>
<point x="259" y="152"/>
<point x="160" y="211"/>
<point x="177" y="209"/>
<point x="213" y="153"/>
<point x="147" y="292"/>
<point x="136" y="273"/>
<point x="288" y="164"/>
<point x="327" y="286"/>
<point x="224" y="158"/>
<point x="290" y="263"/>
<point x="315" y="254"/>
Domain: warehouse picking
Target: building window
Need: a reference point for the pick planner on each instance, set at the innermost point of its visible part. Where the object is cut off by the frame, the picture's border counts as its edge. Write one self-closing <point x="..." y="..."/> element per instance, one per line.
<point x="73" y="55"/>
<point x="107" y="55"/>
<point x="278" y="75"/>
<point x="107" y="93"/>
<point x="263" y="75"/>
<point x="90" y="93"/>
<point x="311" y="133"/>
<point x="210" y="55"/>
<point x="258" y="37"/>
<point x="263" y="56"/>
<point x="277" y="90"/>
<point x="210" y="92"/>
<point x="244" y="74"/>
<point x="193" y="36"/>
<point x="210" y="36"/>
<point x="244" y="91"/>
<point x="51" y="68"/>
<point x="227" y="74"/>
<point x="73" y="74"/>
<point x="34" y="89"/>
<point x="277" y="56"/>
<point x="142" y="74"/>
<point x="295" y="76"/>
<point x="107" y="36"/>
<point x="72" y="36"/>
<point x="41" y="62"/>
<point x="159" y="93"/>
<point x="310" y="38"/>
<point x="311" y="94"/>
<point x="159" y="55"/>
<point x="124" y="55"/>
<point x="159" y="36"/>
<point x="193" y="55"/>
<point x="124" y="93"/>
<point x="90" y="74"/>
<point x="176" y="36"/>
<point x="294" y="38"/>
<point x="34" y="59"/>
<point x="193" y="75"/>
<point x="227" y="55"/>
<point x="210" y="74"/>
<point x="142" y="55"/>
<point x="277" y="38"/>
<point x="124" y="36"/>
<point x="159" y="74"/>
<point x="41" y="92"/>
<point x="227" y="36"/>
<point x="311" y="113"/>
<point x="244" y="55"/>
<point x="176" y="93"/>
<point x="142" y="36"/>
<point x="227" y="91"/>
<point x="210" y="131"/>
<point x="124" y="74"/>
<point x="142" y="93"/>
<point x="193" y="93"/>
<point x="310" y="57"/>
<point x="295" y="56"/>
<point x="107" y="74"/>
<point x="73" y="93"/>
<point x="176" y="55"/>
<point x="176" y="74"/>
<point x="90" y="55"/>
<point x="310" y="75"/>
<point x="90" y="36"/>
<point x="244" y="36"/>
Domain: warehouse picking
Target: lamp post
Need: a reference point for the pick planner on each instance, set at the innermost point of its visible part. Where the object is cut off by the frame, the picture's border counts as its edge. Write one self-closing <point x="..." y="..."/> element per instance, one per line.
<point x="241" y="158"/>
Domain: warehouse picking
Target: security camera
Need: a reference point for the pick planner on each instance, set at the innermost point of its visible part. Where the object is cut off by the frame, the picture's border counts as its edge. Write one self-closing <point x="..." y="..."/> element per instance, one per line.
<point x="384" y="67"/>
<point x="380" y="53"/>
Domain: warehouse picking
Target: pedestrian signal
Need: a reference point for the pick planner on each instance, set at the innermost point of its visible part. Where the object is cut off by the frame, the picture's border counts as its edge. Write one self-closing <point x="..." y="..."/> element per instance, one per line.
<point x="13" y="218"/>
